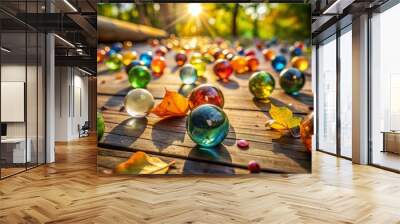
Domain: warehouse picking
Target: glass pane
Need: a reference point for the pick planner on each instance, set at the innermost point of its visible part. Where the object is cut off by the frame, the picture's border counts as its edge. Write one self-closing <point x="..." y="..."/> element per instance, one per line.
<point x="385" y="85"/>
<point x="346" y="94"/>
<point x="327" y="97"/>
<point x="41" y="98"/>
<point x="14" y="153"/>
<point x="32" y="96"/>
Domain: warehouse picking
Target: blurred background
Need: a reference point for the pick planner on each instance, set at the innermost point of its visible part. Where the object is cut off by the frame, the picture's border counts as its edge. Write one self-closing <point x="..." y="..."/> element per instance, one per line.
<point x="291" y="22"/>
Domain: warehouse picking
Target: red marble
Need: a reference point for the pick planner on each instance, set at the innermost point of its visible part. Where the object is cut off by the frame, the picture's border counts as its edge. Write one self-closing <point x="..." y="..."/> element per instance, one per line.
<point x="223" y="69"/>
<point x="206" y="94"/>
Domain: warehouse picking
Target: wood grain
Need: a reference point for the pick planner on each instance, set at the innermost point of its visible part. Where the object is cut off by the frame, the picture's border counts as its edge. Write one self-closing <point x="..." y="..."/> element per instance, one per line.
<point x="71" y="191"/>
<point x="274" y="151"/>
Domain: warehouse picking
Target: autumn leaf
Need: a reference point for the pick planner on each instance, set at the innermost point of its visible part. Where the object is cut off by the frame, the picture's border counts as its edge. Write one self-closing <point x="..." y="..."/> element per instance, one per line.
<point x="172" y="105"/>
<point x="141" y="163"/>
<point x="282" y="118"/>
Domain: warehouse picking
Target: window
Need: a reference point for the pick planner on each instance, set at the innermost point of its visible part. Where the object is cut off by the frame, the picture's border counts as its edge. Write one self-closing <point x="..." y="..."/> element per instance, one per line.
<point x="327" y="96"/>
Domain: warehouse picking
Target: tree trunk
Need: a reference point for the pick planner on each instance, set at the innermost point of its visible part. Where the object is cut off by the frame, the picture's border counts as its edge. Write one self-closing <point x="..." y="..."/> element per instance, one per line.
<point x="143" y="15"/>
<point x="234" y="17"/>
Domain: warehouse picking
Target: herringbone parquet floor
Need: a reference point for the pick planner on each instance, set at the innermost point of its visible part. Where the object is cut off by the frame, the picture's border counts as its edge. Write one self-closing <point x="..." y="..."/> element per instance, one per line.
<point x="70" y="191"/>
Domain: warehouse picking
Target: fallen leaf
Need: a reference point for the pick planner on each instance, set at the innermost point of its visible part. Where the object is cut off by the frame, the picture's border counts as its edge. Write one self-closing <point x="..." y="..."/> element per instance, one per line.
<point x="282" y="118"/>
<point x="141" y="163"/>
<point x="172" y="105"/>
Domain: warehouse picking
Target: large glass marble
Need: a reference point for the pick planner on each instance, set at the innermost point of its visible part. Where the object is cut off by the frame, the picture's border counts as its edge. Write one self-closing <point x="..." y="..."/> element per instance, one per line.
<point x="239" y="64"/>
<point x="158" y="65"/>
<point x="292" y="80"/>
<point x="146" y="58"/>
<point x="100" y="126"/>
<point x="279" y="63"/>
<point x="206" y="94"/>
<point x="139" y="77"/>
<point x="180" y="58"/>
<point x="188" y="74"/>
<point x="114" y="63"/>
<point x="261" y="85"/>
<point x="207" y="125"/>
<point x="138" y="103"/>
<point x="200" y="66"/>
<point x="223" y="69"/>
<point x="252" y="63"/>
<point x="301" y="63"/>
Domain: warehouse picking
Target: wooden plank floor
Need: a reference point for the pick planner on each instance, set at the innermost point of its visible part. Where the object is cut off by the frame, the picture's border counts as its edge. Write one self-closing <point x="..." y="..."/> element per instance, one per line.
<point x="274" y="151"/>
<point x="71" y="191"/>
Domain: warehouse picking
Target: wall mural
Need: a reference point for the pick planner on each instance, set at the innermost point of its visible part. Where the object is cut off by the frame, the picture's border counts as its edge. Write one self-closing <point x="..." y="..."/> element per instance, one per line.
<point x="204" y="88"/>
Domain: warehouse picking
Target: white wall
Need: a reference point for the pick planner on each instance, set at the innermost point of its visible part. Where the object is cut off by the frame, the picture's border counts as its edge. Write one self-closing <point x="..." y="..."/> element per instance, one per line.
<point x="71" y="94"/>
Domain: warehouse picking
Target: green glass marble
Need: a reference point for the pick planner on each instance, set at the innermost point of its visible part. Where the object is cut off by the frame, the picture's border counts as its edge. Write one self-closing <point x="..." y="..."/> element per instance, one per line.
<point x="200" y="66"/>
<point x="114" y="63"/>
<point x="139" y="76"/>
<point x="100" y="126"/>
<point x="292" y="80"/>
<point x="188" y="74"/>
<point x="207" y="125"/>
<point x="261" y="85"/>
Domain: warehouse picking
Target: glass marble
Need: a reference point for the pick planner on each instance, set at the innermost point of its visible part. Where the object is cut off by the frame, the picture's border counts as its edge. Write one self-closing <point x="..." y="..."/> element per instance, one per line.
<point x="139" y="77"/>
<point x="206" y="94"/>
<point x="110" y="52"/>
<point x="223" y="69"/>
<point x="207" y="125"/>
<point x="154" y="43"/>
<point x="307" y="130"/>
<point x="180" y="58"/>
<point x="299" y="62"/>
<point x="218" y="54"/>
<point x="101" y="54"/>
<point x="261" y="85"/>
<point x="158" y="65"/>
<point x="269" y="54"/>
<point x="228" y="54"/>
<point x="127" y="44"/>
<point x="208" y="58"/>
<point x="239" y="64"/>
<point x="161" y="51"/>
<point x="250" y="53"/>
<point x="128" y="57"/>
<point x="146" y="58"/>
<point x="188" y="74"/>
<point x="133" y="64"/>
<point x="292" y="80"/>
<point x="240" y="51"/>
<point x="200" y="66"/>
<point x="252" y="63"/>
<point x="114" y="63"/>
<point x="100" y="126"/>
<point x="117" y="47"/>
<point x="138" y="103"/>
<point x="195" y="56"/>
<point x="296" y="51"/>
<point x="279" y="63"/>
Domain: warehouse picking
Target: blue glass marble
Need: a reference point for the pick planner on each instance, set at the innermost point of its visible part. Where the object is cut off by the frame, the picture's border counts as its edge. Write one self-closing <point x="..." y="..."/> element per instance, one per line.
<point x="279" y="63"/>
<point x="207" y="125"/>
<point x="133" y="64"/>
<point x="296" y="51"/>
<point x="146" y="58"/>
<point x="241" y="51"/>
<point x="117" y="47"/>
<point x="292" y="80"/>
<point x="111" y="52"/>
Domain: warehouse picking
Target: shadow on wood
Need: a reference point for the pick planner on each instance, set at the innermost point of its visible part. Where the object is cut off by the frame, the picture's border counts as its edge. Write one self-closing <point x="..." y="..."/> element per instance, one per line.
<point x="132" y="127"/>
<point x="158" y="132"/>
<point x="216" y="154"/>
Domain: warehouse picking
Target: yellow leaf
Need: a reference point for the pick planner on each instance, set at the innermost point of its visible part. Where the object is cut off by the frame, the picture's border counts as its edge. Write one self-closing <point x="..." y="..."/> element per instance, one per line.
<point x="283" y="118"/>
<point x="172" y="105"/>
<point x="141" y="163"/>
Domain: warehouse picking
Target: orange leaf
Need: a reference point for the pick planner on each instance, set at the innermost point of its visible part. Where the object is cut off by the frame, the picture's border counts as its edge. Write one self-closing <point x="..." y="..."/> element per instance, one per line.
<point x="173" y="105"/>
<point x="141" y="163"/>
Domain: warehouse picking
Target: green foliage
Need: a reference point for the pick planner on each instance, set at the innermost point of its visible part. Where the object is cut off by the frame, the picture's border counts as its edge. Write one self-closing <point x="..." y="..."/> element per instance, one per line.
<point x="285" y="21"/>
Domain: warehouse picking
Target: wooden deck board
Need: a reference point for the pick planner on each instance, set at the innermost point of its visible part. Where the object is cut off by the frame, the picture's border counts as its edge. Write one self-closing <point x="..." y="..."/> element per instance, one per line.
<point x="274" y="151"/>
